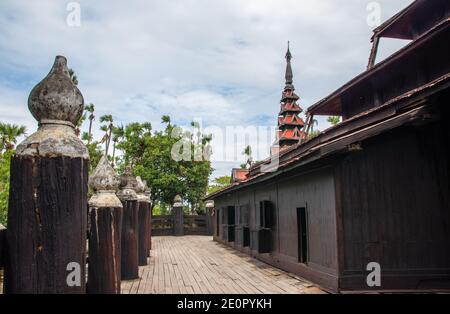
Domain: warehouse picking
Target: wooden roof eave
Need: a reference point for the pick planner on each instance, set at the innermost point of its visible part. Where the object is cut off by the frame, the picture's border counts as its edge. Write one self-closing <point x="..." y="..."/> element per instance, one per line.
<point x="331" y="105"/>
<point x="376" y="121"/>
<point x="390" y="24"/>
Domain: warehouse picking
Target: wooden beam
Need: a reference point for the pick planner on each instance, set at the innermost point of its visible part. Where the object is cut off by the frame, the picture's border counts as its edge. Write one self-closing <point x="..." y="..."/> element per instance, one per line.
<point x="373" y="52"/>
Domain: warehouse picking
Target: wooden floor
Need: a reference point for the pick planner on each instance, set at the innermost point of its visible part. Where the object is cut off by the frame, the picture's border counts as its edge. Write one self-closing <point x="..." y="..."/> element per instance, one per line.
<point x="197" y="264"/>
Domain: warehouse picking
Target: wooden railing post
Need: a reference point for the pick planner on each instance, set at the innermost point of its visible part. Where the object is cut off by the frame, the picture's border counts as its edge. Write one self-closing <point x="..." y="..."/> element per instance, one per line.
<point x="2" y="245"/>
<point x="209" y="217"/>
<point x="178" y="216"/>
<point x="105" y="232"/>
<point x="130" y="226"/>
<point x="47" y="215"/>
<point x="143" y="203"/>
<point x="147" y="193"/>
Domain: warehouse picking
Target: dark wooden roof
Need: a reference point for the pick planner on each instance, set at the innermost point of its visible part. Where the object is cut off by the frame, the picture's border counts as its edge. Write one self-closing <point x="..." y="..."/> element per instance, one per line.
<point x="405" y="108"/>
<point x="331" y="105"/>
<point x="414" y="20"/>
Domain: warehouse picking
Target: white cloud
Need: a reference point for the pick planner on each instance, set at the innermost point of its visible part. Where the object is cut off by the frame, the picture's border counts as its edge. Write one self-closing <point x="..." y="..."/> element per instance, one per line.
<point x="221" y="61"/>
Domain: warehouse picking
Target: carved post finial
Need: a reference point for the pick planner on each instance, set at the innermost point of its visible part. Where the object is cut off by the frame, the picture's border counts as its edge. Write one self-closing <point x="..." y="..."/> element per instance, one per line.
<point x="141" y="190"/>
<point x="57" y="104"/>
<point x="177" y="201"/>
<point x="105" y="182"/>
<point x="127" y="186"/>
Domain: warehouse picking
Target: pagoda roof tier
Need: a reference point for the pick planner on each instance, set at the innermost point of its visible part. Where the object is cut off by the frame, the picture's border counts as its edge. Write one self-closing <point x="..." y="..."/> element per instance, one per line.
<point x="290" y="107"/>
<point x="290" y="134"/>
<point x="291" y="120"/>
<point x="289" y="95"/>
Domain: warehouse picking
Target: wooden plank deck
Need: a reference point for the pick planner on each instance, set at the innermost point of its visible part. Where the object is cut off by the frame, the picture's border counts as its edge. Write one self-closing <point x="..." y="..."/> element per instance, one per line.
<point x="197" y="264"/>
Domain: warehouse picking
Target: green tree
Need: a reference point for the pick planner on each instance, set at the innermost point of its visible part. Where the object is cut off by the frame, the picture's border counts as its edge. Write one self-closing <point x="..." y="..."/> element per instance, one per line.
<point x="107" y="128"/>
<point x="219" y="183"/>
<point x="249" y="159"/>
<point x="90" y="109"/>
<point x="313" y="134"/>
<point x="334" y="120"/>
<point x="9" y="133"/>
<point x="5" y="160"/>
<point x="117" y="134"/>
<point x="150" y="154"/>
<point x="73" y="77"/>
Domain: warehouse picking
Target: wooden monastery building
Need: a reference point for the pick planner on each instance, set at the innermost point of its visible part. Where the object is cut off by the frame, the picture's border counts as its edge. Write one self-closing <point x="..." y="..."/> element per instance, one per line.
<point x="373" y="188"/>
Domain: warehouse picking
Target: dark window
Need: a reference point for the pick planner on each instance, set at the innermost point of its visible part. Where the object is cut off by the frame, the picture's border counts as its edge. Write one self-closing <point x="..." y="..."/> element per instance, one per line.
<point x="231" y="215"/>
<point x="302" y="227"/>
<point x="266" y="214"/>
<point x="218" y="222"/>
<point x="246" y="236"/>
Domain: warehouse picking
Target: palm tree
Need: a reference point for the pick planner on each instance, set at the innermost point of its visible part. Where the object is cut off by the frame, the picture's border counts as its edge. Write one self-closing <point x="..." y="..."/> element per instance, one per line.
<point x="248" y="153"/>
<point x="9" y="134"/>
<point x="165" y="119"/>
<point x="79" y="124"/>
<point x="313" y="133"/>
<point x="118" y="133"/>
<point x="90" y="108"/>
<point x="107" y="128"/>
<point x="334" y="120"/>
<point x="73" y="77"/>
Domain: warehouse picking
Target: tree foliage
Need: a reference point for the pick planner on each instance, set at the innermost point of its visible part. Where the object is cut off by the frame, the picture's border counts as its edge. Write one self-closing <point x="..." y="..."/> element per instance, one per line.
<point x="9" y="134"/>
<point x="248" y="157"/>
<point x="334" y="120"/>
<point x="219" y="183"/>
<point x="5" y="160"/>
<point x="151" y="155"/>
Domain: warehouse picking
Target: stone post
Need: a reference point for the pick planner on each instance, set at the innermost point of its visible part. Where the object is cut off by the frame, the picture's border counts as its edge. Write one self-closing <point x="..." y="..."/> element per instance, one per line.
<point x="178" y="216"/>
<point x="143" y="204"/>
<point x="47" y="214"/>
<point x="105" y="232"/>
<point x="130" y="226"/>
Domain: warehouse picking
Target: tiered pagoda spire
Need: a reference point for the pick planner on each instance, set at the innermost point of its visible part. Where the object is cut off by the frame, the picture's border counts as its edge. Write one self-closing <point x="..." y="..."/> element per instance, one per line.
<point x="290" y="125"/>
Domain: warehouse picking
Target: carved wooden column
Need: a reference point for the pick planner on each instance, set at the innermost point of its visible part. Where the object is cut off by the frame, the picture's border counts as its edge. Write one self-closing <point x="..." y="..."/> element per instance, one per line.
<point x="47" y="214"/>
<point x="105" y="232"/>
<point x="130" y="226"/>
<point x="178" y="216"/>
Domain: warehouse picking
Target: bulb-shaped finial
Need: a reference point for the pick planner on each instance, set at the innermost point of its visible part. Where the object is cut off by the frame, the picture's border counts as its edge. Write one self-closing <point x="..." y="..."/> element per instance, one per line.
<point x="57" y="104"/>
<point x="56" y="98"/>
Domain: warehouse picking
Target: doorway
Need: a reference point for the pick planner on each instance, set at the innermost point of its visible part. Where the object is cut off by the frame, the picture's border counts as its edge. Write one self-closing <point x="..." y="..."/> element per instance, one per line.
<point x="302" y="233"/>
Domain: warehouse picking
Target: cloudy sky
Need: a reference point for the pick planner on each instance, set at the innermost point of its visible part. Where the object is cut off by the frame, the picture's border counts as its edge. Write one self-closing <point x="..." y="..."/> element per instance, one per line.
<point x="220" y="62"/>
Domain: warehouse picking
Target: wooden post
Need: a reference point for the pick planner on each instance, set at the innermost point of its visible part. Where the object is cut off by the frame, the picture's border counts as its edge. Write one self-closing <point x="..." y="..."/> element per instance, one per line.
<point x="147" y="193"/>
<point x="2" y="245"/>
<point x="105" y="232"/>
<point x="373" y="52"/>
<point x="178" y="216"/>
<point x="130" y="226"/>
<point x="47" y="217"/>
<point x="209" y="217"/>
<point x="143" y="202"/>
